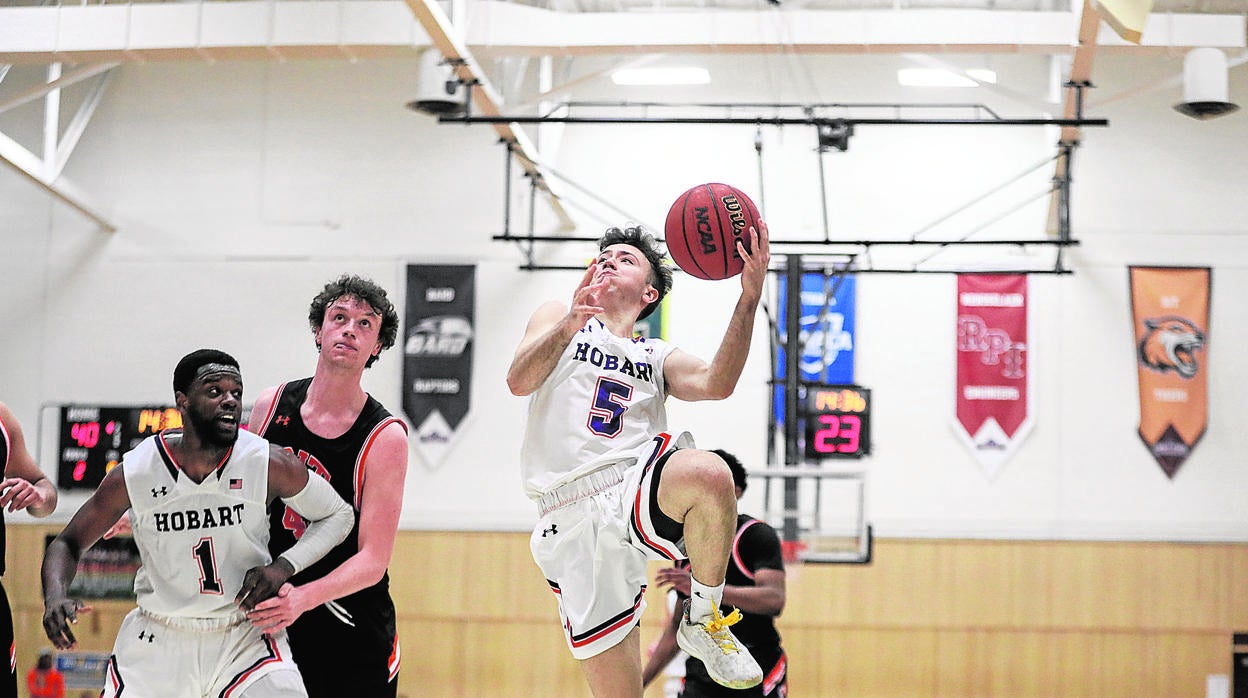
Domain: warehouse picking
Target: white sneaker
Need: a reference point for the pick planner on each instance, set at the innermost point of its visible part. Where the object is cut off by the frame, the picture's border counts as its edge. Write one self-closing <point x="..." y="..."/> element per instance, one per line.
<point x="726" y="659"/>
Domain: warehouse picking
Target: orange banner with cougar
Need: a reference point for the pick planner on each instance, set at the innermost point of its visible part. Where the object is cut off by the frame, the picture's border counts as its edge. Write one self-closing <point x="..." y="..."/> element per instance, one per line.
<point x="1170" y="309"/>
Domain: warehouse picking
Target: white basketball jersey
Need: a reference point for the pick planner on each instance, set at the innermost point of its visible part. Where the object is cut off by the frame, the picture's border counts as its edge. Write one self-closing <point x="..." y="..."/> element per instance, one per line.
<point x="602" y="402"/>
<point x="197" y="540"/>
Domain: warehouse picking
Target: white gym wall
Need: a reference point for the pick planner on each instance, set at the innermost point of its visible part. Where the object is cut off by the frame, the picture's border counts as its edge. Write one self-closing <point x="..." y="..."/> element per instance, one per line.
<point x="238" y="188"/>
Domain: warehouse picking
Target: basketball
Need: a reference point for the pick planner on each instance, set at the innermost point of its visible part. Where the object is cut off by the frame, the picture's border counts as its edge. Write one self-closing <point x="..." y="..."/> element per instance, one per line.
<point x="703" y="227"/>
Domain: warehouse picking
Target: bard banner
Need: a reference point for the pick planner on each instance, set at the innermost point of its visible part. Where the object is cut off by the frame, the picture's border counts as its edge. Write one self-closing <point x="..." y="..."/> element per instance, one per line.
<point x="1170" y="310"/>
<point x="993" y="395"/>
<point x="437" y="355"/>
<point x="827" y="335"/>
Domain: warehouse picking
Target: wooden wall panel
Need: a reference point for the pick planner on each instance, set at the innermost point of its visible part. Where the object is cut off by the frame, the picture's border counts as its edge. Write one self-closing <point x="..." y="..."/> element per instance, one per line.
<point x="928" y="618"/>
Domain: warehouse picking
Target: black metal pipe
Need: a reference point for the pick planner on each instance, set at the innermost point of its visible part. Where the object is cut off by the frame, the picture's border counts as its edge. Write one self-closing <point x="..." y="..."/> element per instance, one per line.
<point x="1044" y="242"/>
<point x="1042" y="272"/>
<point x="792" y="376"/>
<point x="770" y="121"/>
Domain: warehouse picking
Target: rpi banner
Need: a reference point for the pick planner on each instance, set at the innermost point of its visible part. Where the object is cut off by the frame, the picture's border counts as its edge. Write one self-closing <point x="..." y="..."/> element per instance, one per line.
<point x="827" y="332"/>
<point x="993" y="395"/>
<point x="437" y="354"/>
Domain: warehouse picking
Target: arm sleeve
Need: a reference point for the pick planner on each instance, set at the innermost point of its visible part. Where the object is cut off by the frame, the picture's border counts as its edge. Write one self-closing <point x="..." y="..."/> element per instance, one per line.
<point x="329" y="522"/>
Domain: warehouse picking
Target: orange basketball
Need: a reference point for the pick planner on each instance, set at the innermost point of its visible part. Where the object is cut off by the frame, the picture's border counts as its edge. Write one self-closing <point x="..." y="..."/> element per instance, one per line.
<point x="703" y="228"/>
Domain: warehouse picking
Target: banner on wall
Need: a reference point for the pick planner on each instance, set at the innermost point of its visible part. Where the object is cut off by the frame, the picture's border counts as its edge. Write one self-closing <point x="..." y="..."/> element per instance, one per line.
<point x="993" y="395"/>
<point x="1170" y="314"/>
<point x="437" y="354"/>
<point x="827" y="332"/>
<point x="654" y="325"/>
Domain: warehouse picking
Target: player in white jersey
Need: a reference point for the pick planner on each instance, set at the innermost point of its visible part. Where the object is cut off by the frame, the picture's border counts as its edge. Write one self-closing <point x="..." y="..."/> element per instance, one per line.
<point x="613" y="487"/>
<point x="198" y="500"/>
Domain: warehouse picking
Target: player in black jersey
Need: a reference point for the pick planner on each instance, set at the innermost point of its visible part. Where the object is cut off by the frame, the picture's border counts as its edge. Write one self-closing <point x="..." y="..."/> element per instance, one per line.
<point x="755" y="585"/>
<point x="24" y="487"/>
<point x="339" y="612"/>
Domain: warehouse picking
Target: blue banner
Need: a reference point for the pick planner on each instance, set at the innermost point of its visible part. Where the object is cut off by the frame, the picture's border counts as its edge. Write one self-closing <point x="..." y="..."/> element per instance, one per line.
<point x="827" y="334"/>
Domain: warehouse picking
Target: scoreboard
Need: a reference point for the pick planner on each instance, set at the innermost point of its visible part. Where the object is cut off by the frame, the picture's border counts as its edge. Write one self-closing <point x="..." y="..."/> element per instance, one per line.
<point x="838" y="421"/>
<point x="93" y="439"/>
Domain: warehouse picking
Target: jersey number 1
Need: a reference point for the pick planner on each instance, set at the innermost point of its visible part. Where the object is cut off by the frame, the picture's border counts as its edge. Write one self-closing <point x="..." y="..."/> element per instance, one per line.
<point x="209" y="582"/>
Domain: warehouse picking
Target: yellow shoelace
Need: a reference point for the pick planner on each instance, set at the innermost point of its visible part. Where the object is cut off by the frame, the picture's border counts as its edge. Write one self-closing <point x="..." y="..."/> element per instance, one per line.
<point x="718" y="626"/>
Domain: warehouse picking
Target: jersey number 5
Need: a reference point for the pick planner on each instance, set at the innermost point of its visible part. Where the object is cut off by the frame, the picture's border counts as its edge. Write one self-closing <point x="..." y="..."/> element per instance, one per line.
<point x="606" y="415"/>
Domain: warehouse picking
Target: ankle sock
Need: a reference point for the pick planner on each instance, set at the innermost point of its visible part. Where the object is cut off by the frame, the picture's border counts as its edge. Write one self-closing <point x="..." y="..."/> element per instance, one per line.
<point x="703" y="600"/>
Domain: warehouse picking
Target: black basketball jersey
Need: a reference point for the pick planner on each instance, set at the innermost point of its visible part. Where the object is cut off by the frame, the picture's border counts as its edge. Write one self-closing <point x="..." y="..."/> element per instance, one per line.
<point x="340" y="461"/>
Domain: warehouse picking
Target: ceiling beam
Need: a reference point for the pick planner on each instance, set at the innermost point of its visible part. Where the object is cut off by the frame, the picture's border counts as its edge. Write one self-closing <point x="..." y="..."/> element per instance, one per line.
<point x="74" y="76"/>
<point x="258" y="29"/>
<point x="33" y="168"/>
<point x="1076" y="92"/>
<point x="485" y="98"/>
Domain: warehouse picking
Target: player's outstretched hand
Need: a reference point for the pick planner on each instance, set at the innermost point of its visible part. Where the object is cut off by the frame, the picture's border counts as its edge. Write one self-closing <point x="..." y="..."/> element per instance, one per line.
<point x="58" y="615"/>
<point x="279" y="611"/>
<point x="261" y="583"/>
<point x="755" y="271"/>
<point x="675" y="577"/>
<point x="585" y="297"/>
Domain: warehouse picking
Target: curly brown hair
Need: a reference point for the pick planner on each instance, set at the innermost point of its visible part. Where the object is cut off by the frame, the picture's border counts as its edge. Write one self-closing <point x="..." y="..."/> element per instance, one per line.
<point x="351" y="286"/>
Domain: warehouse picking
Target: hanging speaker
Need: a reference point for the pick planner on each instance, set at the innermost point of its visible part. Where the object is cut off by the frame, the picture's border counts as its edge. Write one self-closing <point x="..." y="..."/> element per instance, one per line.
<point x="438" y="91"/>
<point x="1205" y="85"/>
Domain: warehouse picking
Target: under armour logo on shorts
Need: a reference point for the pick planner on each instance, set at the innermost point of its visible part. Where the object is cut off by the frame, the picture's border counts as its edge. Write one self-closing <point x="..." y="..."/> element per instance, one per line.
<point x="283" y="420"/>
<point x="552" y="530"/>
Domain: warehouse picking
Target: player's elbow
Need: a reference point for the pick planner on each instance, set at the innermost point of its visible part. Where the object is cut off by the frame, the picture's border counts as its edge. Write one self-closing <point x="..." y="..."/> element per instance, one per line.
<point x="517" y="387"/>
<point x="720" y="390"/>
<point x="341" y="522"/>
<point x="372" y="571"/>
<point x="519" y="384"/>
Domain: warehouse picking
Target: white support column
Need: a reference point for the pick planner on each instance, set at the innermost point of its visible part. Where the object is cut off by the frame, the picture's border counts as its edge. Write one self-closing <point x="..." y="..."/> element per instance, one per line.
<point x="51" y="120"/>
<point x="77" y="125"/>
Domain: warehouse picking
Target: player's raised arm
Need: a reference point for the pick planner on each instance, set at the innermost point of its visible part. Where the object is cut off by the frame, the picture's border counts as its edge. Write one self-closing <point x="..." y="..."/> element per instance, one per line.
<point x="690" y="378"/>
<point x="549" y="330"/>
<point x="60" y="560"/>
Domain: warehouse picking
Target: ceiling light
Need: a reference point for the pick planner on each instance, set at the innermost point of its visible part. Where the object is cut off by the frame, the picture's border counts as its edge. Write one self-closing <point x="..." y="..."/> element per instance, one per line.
<point x="937" y="77"/>
<point x="661" y="76"/>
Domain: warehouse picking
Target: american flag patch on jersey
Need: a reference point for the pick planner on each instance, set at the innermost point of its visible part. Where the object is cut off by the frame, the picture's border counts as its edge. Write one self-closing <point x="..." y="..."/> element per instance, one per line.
<point x="236" y="483"/>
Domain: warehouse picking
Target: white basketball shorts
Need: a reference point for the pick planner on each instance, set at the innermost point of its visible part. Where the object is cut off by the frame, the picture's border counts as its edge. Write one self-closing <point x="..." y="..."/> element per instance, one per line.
<point x="191" y="658"/>
<point x="592" y="542"/>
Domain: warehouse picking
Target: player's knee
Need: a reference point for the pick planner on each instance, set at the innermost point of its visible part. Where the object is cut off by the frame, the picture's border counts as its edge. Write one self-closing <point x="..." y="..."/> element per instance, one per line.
<point x="702" y="471"/>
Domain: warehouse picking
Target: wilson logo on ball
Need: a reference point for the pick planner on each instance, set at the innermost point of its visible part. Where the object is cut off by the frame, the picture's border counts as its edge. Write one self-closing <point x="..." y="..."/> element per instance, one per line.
<point x="703" y="228"/>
